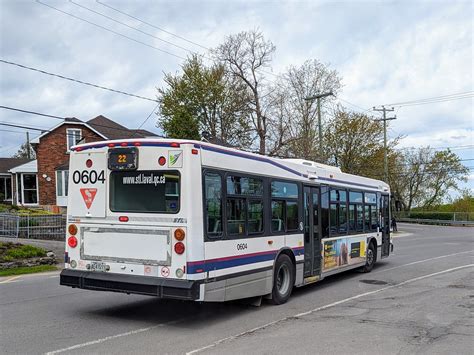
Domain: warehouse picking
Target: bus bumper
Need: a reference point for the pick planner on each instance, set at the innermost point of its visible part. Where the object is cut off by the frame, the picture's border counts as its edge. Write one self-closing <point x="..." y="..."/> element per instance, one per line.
<point x="143" y="285"/>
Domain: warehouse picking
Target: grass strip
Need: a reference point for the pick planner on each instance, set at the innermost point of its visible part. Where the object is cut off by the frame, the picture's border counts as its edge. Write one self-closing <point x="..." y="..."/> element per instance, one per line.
<point x="27" y="270"/>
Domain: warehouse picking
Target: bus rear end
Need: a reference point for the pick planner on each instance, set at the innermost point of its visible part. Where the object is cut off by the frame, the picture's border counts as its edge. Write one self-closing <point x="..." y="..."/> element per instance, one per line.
<point x="127" y="228"/>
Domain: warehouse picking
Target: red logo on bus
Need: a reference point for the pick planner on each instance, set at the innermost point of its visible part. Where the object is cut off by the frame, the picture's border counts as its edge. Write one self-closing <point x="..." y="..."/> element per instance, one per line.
<point x="88" y="195"/>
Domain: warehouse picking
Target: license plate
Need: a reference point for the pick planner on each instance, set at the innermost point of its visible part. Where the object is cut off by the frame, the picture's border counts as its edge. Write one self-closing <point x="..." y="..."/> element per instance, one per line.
<point x="96" y="266"/>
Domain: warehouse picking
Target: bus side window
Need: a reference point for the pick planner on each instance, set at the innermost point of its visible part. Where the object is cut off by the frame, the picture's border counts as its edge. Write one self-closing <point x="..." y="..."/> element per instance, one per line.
<point x="278" y="216"/>
<point x="325" y="211"/>
<point x="213" y="203"/>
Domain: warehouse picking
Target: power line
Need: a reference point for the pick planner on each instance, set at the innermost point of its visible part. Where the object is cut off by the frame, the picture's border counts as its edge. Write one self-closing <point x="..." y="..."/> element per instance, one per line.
<point x="173" y="34"/>
<point x="131" y="27"/>
<point x="10" y="131"/>
<point x="130" y="131"/>
<point x="109" y="30"/>
<point x="31" y="112"/>
<point x="456" y="147"/>
<point x="457" y="96"/>
<point x="352" y="104"/>
<point x="77" y="81"/>
<point x="8" y="124"/>
<point x="151" y="25"/>
<point x="146" y="119"/>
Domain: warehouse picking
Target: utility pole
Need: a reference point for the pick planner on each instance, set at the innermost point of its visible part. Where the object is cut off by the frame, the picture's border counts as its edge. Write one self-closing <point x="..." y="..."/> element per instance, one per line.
<point x="385" y="119"/>
<point x="320" y="127"/>
<point x="28" y="155"/>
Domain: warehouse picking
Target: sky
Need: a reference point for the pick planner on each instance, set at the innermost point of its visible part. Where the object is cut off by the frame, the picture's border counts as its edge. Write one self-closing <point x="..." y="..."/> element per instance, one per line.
<point x="385" y="51"/>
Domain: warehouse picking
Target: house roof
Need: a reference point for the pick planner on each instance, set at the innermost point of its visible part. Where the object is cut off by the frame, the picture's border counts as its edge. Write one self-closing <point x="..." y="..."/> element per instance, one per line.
<point x="28" y="167"/>
<point x="144" y="133"/>
<point x="111" y="129"/>
<point x="10" y="163"/>
<point x="104" y="127"/>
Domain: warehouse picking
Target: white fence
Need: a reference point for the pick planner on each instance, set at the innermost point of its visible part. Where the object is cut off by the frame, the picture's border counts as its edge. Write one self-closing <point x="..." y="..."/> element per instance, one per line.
<point x="33" y="226"/>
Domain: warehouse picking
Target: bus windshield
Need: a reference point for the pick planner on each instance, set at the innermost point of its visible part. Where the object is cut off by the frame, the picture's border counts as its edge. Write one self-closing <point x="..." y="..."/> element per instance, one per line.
<point x="145" y="191"/>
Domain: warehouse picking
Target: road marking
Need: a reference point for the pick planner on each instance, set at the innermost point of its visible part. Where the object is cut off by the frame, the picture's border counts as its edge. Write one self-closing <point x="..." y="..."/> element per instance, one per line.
<point x="422" y="261"/>
<point x="111" y="337"/>
<point x="402" y="235"/>
<point x="299" y="315"/>
<point x="11" y="279"/>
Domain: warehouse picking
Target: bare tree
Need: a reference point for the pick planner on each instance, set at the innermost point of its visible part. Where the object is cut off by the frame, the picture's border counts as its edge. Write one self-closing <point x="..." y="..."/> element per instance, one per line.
<point x="245" y="55"/>
<point x="297" y="84"/>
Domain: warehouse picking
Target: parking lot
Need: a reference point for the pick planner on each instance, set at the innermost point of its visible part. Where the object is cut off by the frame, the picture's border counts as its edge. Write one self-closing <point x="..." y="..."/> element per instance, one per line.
<point x="417" y="301"/>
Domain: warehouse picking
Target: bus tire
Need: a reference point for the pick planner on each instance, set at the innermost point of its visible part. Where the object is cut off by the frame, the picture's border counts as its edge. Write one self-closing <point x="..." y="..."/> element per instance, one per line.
<point x="371" y="257"/>
<point x="283" y="279"/>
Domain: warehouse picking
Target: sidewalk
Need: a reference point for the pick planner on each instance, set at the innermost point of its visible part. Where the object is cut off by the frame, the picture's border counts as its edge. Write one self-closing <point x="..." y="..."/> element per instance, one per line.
<point x="56" y="246"/>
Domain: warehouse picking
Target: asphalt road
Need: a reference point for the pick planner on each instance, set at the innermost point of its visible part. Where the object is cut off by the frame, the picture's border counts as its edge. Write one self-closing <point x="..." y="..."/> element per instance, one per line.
<point x="420" y="300"/>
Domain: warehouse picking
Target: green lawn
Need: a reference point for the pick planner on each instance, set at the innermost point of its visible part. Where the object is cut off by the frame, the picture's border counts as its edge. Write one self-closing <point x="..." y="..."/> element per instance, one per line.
<point x="27" y="270"/>
<point x="14" y="251"/>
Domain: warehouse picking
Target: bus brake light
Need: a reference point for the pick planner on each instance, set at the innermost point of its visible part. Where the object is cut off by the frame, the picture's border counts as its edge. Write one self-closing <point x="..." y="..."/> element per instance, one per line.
<point x="179" y="248"/>
<point x="72" y="241"/>
<point x="194" y="151"/>
<point x="174" y="145"/>
<point x="162" y="160"/>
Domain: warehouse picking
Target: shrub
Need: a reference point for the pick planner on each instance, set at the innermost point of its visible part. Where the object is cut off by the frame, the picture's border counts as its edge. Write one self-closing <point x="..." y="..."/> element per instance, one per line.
<point x="444" y="216"/>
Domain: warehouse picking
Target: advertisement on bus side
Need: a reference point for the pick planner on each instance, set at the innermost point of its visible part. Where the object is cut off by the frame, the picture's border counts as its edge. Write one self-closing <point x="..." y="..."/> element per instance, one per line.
<point x="342" y="252"/>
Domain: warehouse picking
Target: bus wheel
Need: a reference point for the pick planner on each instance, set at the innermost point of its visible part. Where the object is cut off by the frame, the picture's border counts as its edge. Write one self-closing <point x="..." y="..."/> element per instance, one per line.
<point x="370" y="258"/>
<point x="283" y="279"/>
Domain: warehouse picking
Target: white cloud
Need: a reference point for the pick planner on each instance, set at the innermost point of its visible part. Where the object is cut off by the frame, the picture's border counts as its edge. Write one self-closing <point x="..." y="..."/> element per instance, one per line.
<point x="385" y="52"/>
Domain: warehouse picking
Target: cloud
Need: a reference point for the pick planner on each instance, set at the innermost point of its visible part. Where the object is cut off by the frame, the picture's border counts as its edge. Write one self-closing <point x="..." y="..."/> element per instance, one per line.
<point x="385" y="52"/>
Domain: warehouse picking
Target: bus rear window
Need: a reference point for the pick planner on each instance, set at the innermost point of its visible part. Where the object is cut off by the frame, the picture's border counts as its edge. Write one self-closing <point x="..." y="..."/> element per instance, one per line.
<point x="145" y="191"/>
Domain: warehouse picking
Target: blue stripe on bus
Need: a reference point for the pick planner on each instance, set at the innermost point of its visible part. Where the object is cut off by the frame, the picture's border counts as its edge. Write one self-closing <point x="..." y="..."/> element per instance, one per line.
<point x="196" y="267"/>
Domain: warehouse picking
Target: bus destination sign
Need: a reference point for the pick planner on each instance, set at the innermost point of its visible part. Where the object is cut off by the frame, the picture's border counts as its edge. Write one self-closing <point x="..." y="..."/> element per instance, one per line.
<point x="123" y="159"/>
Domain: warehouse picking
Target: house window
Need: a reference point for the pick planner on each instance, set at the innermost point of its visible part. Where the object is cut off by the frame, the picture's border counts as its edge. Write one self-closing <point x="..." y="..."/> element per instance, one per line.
<point x="73" y="136"/>
<point x="28" y="189"/>
<point x="62" y="177"/>
<point x="6" y="188"/>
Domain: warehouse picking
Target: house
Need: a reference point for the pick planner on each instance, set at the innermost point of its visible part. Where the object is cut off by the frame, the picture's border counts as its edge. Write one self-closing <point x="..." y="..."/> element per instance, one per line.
<point x="53" y="147"/>
<point x="7" y="179"/>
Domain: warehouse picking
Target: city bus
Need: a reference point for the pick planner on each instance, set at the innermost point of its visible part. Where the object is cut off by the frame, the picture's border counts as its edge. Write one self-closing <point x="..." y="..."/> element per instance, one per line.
<point x="191" y="220"/>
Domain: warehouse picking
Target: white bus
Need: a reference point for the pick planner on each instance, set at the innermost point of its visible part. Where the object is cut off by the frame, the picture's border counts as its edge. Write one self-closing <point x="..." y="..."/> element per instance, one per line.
<point x="195" y="221"/>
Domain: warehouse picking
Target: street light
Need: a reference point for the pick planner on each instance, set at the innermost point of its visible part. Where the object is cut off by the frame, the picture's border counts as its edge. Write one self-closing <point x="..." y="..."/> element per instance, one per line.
<point x="319" y="97"/>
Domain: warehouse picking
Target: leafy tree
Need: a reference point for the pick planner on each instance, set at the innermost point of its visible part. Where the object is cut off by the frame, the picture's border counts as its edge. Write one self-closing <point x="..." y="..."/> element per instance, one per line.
<point x="354" y="142"/>
<point x="244" y="55"/>
<point x="424" y="177"/>
<point x="204" y="99"/>
<point x="23" y="152"/>
<point x="464" y="203"/>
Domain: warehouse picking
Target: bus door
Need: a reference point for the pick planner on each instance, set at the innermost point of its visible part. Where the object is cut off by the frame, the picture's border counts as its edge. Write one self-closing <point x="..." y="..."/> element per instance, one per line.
<point x="312" y="232"/>
<point x="385" y="223"/>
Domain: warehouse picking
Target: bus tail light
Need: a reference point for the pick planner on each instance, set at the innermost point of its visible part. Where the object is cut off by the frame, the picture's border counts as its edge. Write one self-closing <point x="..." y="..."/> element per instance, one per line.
<point x="194" y="151"/>
<point x="174" y="145"/>
<point x="123" y="219"/>
<point x="72" y="241"/>
<point x="162" y="160"/>
<point x="179" y="248"/>
<point x="72" y="229"/>
<point x="179" y="234"/>
<point x="89" y="163"/>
